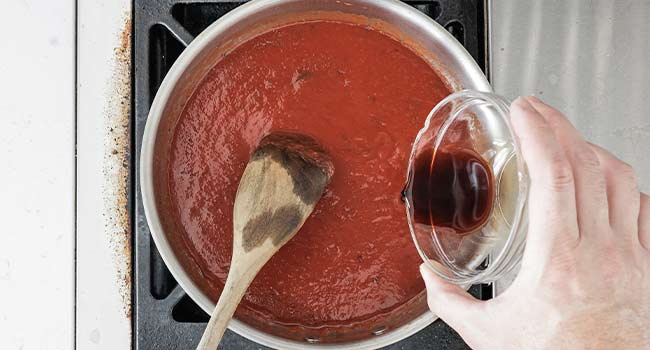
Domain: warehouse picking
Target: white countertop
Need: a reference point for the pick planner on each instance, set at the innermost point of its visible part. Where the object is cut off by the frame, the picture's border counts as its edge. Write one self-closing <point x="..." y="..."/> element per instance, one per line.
<point x="37" y="182"/>
<point x="103" y="279"/>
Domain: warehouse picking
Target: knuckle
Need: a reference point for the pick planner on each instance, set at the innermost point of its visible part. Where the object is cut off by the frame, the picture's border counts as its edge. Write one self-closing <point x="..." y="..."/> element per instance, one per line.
<point x="561" y="273"/>
<point x="555" y="117"/>
<point x="536" y="132"/>
<point x="587" y="158"/>
<point x="543" y="129"/>
<point x="565" y="258"/>
<point x="564" y="266"/>
<point x="590" y="167"/>
<point x="564" y="262"/>
<point x="636" y="272"/>
<point x="560" y="176"/>
<point x="614" y="262"/>
<point x="626" y="173"/>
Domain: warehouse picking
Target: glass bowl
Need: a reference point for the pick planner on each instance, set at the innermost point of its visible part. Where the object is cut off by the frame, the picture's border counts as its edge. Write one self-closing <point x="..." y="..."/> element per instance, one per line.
<point x="466" y="190"/>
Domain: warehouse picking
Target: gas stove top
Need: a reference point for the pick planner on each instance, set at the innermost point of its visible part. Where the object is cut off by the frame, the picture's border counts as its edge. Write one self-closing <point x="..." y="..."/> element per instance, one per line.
<point x="164" y="317"/>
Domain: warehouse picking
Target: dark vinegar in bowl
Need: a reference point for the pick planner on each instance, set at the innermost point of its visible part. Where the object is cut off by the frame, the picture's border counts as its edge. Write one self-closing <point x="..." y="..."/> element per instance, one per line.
<point x="452" y="188"/>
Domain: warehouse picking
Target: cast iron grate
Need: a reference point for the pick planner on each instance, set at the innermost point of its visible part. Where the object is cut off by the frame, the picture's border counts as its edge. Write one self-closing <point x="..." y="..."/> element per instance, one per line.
<point x="164" y="316"/>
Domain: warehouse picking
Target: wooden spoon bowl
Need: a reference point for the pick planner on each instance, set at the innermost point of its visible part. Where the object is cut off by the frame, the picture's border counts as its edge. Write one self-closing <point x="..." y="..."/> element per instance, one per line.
<point x="284" y="179"/>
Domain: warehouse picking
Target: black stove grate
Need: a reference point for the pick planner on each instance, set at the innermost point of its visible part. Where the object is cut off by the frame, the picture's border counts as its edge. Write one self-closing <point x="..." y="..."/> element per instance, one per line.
<point x="164" y="316"/>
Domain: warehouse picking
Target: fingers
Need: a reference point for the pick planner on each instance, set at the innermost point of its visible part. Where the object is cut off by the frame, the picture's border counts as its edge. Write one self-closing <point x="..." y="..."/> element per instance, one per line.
<point x="552" y="204"/>
<point x="622" y="194"/>
<point x="644" y="221"/>
<point x="451" y="303"/>
<point x="590" y="186"/>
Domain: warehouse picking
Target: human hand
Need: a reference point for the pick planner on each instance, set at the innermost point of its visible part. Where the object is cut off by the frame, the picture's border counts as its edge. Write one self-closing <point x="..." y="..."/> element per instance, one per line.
<point x="584" y="281"/>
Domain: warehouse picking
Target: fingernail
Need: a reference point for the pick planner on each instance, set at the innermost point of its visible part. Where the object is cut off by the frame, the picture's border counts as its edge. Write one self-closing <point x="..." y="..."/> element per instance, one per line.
<point x="534" y="99"/>
<point x="521" y="102"/>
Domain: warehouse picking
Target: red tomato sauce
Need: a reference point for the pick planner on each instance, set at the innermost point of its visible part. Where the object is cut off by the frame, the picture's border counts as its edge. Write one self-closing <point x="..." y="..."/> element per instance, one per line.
<point x="363" y="96"/>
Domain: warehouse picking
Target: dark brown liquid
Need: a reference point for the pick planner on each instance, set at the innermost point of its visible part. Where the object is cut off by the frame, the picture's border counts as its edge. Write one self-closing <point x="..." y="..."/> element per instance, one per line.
<point x="453" y="190"/>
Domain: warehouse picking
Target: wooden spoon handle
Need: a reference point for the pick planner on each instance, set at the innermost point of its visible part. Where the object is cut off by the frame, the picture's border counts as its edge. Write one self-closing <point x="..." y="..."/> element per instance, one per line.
<point x="222" y="313"/>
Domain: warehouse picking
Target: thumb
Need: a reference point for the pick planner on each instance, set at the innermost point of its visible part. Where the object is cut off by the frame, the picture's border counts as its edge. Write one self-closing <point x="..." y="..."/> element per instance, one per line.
<point x="452" y="303"/>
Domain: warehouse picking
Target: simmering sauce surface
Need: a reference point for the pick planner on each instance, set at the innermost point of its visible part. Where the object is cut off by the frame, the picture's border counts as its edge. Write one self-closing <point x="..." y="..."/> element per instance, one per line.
<point x="363" y="96"/>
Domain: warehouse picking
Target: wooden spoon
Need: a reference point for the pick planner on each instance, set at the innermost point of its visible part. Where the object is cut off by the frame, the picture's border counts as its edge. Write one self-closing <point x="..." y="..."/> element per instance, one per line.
<point x="283" y="181"/>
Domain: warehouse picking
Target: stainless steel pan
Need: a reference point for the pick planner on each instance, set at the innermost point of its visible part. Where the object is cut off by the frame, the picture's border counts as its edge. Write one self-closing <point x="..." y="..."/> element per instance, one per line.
<point x="393" y="17"/>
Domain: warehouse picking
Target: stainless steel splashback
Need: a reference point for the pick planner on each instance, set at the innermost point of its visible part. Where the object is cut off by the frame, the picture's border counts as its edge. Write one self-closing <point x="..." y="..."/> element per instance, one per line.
<point x="590" y="59"/>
